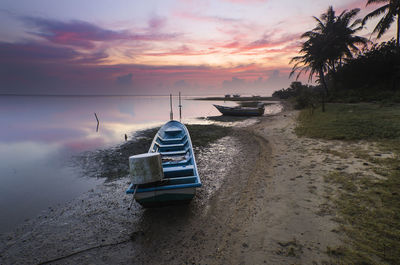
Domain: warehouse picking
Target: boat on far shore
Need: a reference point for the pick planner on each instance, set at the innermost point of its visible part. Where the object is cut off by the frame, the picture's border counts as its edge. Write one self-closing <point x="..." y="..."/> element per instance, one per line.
<point x="241" y="111"/>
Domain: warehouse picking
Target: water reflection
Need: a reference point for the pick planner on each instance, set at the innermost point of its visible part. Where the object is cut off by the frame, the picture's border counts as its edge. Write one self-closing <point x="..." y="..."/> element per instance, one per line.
<point x="40" y="134"/>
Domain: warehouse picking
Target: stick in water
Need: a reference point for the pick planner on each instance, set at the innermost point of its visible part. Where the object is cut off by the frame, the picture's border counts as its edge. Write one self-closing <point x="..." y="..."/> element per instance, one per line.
<point x="97" y="119"/>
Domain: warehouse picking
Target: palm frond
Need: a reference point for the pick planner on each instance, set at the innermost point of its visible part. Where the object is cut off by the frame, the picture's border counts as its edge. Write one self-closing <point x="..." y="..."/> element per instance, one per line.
<point x="376" y="2"/>
<point x="376" y="13"/>
<point x="384" y="24"/>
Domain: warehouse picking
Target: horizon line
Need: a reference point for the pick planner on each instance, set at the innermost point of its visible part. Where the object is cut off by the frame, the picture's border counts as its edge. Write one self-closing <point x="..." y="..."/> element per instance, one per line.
<point x="99" y="95"/>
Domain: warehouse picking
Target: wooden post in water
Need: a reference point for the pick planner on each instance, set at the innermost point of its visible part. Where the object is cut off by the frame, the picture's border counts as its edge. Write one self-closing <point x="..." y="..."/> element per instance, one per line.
<point x="97" y="119"/>
<point x="171" y="114"/>
<point x="180" y="108"/>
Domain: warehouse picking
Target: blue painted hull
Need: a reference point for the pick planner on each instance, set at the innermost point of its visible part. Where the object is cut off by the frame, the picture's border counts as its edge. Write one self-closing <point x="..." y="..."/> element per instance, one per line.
<point x="181" y="178"/>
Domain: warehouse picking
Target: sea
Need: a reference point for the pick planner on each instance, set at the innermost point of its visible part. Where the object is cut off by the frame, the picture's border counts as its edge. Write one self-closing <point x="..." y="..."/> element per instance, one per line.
<point x="40" y="134"/>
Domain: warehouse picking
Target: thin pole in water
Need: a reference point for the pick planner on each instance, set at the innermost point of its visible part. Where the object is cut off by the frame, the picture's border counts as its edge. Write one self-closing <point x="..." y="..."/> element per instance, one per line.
<point x="180" y="108"/>
<point x="97" y="128"/>
<point x="171" y="114"/>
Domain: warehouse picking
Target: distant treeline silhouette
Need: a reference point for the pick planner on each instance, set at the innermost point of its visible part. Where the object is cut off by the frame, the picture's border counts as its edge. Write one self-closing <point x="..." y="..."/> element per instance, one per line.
<point x="347" y="67"/>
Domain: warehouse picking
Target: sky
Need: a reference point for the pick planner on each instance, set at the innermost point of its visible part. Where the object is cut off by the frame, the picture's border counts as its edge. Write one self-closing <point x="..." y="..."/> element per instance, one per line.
<point x="120" y="47"/>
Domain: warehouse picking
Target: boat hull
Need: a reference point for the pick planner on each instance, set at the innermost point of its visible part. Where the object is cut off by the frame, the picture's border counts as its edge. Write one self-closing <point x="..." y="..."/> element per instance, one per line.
<point x="180" y="179"/>
<point x="237" y="111"/>
<point x="166" y="197"/>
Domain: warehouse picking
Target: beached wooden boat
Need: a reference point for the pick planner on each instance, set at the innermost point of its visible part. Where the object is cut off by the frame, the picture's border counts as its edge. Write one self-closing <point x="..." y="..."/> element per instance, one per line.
<point x="241" y="111"/>
<point x="180" y="179"/>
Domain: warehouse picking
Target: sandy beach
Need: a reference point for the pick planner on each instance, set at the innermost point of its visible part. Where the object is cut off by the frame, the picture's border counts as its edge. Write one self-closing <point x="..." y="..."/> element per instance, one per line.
<point x="263" y="201"/>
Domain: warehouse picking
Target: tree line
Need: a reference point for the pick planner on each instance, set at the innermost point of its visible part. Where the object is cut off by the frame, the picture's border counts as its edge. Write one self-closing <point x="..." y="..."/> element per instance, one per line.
<point x="347" y="67"/>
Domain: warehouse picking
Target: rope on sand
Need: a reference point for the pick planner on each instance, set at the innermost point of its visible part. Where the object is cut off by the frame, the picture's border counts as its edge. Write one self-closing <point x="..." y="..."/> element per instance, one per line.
<point x="84" y="250"/>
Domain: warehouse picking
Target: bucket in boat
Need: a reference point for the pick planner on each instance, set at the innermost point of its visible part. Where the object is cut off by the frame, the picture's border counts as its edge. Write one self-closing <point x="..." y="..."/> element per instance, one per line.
<point x="146" y="168"/>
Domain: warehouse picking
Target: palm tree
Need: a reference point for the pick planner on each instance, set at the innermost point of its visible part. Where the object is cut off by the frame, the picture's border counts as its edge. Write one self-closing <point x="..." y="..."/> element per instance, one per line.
<point x="390" y="10"/>
<point x="339" y="31"/>
<point x="345" y="42"/>
<point x="331" y="40"/>
<point x="312" y="60"/>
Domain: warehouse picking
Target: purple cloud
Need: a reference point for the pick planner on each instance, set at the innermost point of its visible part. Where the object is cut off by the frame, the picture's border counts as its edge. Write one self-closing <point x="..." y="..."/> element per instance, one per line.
<point x="26" y="52"/>
<point x="83" y="34"/>
<point x="125" y="80"/>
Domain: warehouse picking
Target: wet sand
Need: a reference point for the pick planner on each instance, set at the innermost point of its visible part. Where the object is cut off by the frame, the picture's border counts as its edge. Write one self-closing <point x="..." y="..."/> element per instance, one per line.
<point x="262" y="202"/>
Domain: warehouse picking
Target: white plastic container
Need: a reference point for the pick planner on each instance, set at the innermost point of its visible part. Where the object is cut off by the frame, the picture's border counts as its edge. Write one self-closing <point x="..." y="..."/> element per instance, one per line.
<point x="146" y="168"/>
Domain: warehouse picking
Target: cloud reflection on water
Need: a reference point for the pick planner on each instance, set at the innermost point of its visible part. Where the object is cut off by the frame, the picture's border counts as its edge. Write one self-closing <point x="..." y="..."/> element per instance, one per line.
<point x="41" y="134"/>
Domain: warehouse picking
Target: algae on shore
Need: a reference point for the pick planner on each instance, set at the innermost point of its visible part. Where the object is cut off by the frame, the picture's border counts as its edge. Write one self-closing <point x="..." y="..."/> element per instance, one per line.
<point x="112" y="163"/>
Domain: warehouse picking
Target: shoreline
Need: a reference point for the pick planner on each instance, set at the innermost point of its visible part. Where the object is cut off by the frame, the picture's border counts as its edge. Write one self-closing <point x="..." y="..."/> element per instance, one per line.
<point x="264" y="200"/>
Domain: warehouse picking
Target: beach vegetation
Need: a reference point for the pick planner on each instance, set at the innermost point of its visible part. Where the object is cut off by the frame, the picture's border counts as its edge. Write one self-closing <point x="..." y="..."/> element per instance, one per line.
<point x="349" y="68"/>
<point x="344" y="121"/>
<point x="302" y="96"/>
<point x="325" y="47"/>
<point x="389" y="13"/>
<point x="367" y="207"/>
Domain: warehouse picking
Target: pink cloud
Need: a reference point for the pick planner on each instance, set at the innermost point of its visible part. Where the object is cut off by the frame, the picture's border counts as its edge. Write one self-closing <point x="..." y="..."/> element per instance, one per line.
<point x="184" y="50"/>
<point x="245" y="1"/>
<point x="268" y="42"/>
<point x="83" y="34"/>
<point x="156" y="23"/>
<point x="206" y="18"/>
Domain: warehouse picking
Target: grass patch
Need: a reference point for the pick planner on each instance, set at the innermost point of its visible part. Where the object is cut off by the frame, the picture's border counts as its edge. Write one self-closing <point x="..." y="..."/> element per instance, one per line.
<point x="368" y="208"/>
<point x="342" y="155"/>
<point x="351" y="122"/>
<point x="369" y="213"/>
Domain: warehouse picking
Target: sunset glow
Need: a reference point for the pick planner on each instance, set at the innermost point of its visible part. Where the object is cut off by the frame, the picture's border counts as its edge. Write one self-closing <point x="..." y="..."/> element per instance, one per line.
<point x="154" y="47"/>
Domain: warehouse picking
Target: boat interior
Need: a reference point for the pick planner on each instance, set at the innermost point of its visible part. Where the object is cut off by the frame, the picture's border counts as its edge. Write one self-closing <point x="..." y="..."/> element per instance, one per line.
<point x="177" y="157"/>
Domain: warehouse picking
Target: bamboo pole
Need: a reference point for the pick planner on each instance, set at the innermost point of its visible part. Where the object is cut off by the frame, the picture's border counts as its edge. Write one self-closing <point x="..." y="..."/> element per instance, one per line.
<point x="180" y="108"/>
<point x="171" y="114"/>
<point x="98" y="122"/>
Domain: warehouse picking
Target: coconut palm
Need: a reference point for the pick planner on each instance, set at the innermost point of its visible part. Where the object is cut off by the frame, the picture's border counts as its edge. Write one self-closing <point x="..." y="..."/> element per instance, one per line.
<point x="390" y="11"/>
<point x="313" y="60"/>
<point x="331" y="40"/>
<point x="345" y="41"/>
<point x="339" y="32"/>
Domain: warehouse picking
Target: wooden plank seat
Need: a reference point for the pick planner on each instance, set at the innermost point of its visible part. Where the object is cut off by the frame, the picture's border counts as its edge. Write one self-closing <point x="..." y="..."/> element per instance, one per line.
<point x="171" y="140"/>
<point x="171" y="153"/>
<point x="178" y="171"/>
<point x="175" y="145"/>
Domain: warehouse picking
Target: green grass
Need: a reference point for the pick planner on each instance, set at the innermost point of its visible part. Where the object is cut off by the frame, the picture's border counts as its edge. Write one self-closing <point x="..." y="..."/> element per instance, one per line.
<point x="351" y="122"/>
<point x="368" y="208"/>
<point x="369" y="212"/>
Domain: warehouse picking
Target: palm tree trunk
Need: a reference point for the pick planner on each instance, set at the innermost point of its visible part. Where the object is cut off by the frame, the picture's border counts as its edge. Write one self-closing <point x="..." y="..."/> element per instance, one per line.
<point x="398" y="27"/>
<point x="325" y="92"/>
<point x="322" y="78"/>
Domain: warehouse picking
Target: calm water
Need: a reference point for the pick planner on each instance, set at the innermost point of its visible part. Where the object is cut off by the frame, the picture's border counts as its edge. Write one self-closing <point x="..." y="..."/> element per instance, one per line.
<point x="39" y="135"/>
